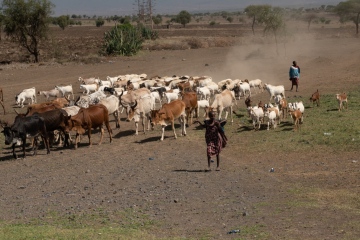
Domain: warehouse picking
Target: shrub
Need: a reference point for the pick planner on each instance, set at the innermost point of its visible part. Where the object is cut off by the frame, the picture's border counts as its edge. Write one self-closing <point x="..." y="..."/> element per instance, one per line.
<point x="99" y="22"/>
<point x="123" y="40"/>
<point x="212" y="23"/>
<point x="147" y="33"/>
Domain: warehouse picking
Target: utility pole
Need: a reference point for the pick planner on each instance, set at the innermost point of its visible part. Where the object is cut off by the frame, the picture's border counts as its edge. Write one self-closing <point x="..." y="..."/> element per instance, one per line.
<point x="145" y="11"/>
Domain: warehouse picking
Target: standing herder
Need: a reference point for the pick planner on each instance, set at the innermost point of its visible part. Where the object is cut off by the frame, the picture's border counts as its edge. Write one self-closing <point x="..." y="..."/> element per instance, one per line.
<point x="294" y="75"/>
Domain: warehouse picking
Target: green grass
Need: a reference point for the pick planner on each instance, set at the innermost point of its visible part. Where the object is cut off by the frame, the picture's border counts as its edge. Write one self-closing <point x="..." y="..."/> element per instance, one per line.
<point x="343" y="128"/>
<point x="128" y="224"/>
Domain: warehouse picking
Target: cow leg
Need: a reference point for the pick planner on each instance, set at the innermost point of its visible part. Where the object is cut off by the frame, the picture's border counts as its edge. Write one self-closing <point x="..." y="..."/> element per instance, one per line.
<point x="47" y="144"/>
<point x="102" y="134"/>
<point x="173" y="128"/>
<point x="183" y="125"/>
<point x="143" y="123"/>
<point x="136" y="128"/>
<point x="117" y="118"/>
<point x="163" y="132"/>
<point x="107" y="125"/>
<point x="35" y="145"/>
<point x="231" y="114"/>
<point x="14" y="153"/>
<point x="76" y="140"/>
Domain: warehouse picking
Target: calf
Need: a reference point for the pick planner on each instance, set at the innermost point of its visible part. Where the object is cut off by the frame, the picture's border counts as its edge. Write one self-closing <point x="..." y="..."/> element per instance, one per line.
<point x="315" y="98"/>
<point x="25" y="127"/>
<point x="168" y="113"/>
<point x="341" y="98"/>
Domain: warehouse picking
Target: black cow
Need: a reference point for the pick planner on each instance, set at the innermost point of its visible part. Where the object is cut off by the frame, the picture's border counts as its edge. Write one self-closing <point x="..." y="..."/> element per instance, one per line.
<point x="54" y="121"/>
<point x="23" y="127"/>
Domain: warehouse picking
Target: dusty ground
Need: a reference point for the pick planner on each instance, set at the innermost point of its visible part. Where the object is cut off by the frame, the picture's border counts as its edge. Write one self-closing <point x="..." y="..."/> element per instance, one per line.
<point x="173" y="189"/>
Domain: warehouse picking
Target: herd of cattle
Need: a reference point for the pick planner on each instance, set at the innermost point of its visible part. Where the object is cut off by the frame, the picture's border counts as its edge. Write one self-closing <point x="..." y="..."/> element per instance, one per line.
<point x="153" y="101"/>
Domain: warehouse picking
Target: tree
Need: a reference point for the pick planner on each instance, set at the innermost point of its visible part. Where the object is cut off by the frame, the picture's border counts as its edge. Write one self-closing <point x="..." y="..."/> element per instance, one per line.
<point x="183" y="17"/>
<point x="309" y="17"/>
<point x="63" y="21"/>
<point x="157" y="19"/>
<point x="349" y="11"/>
<point x="99" y="22"/>
<point x="27" y="22"/>
<point x="274" y="23"/>
<point x="257" y="13"/>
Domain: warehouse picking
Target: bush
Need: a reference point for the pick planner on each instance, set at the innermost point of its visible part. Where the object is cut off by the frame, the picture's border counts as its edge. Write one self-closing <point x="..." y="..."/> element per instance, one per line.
<point x="148" y="33"/>
<point x="123" y="40"/>
<point x="99" y="22"/>
<point x="212" y="23"/>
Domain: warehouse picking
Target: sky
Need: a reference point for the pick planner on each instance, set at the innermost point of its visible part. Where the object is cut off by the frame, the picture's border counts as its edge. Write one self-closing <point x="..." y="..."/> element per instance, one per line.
<point x="129" y="7"/>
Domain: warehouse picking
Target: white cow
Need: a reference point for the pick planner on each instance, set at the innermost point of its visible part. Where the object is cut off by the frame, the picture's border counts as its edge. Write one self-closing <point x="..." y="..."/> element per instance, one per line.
<point x="204" y="104"/>
<point x="274" y="90"/>
<point x="29" y="93"/>
<point x="66" y="90"/>
<point x="224" y="101"/>
<point x="141" y="110"/>
<point x="112" y="104"/>
<point x="204" y="92"/>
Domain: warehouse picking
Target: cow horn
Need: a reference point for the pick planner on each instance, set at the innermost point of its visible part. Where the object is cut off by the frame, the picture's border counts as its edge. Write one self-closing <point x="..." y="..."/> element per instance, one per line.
<point x="122" y="92"/>
<point x="134" y="106"/>
<point x="77" y="100"/>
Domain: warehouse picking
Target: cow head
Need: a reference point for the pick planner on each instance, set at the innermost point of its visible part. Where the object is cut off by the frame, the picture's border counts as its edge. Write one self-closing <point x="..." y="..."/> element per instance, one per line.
<point x="131" y="111"/>
<point x="71" y="124"/>
<point x="156" y="117"/>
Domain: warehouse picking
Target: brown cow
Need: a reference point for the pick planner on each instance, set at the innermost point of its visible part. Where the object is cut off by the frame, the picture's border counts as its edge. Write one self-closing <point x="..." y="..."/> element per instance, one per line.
<point x="191" y="104"/>
<point x="168" y="113"/>
<point x="184" y="86"/>
<point x="87" y="118"/>
<point x="47" y="106"/>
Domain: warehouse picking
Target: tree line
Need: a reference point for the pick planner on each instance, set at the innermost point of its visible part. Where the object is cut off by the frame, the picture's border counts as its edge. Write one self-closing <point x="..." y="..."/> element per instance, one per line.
<point x="27" y="22"/>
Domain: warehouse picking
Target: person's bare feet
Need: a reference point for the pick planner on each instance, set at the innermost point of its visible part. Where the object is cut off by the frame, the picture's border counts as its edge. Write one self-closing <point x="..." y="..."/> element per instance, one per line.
<point x="217" y="169"/>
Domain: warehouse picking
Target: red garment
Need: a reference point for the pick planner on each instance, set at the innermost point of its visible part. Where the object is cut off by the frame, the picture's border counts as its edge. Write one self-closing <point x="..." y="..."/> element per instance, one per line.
<point x="215" y="138"/>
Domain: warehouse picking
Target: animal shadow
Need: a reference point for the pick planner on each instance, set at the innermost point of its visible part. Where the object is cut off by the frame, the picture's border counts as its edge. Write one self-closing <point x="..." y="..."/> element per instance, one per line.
<point x="150" y="139"/>
<point x="191" y="171"/>
<point x="333" y="110"/>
